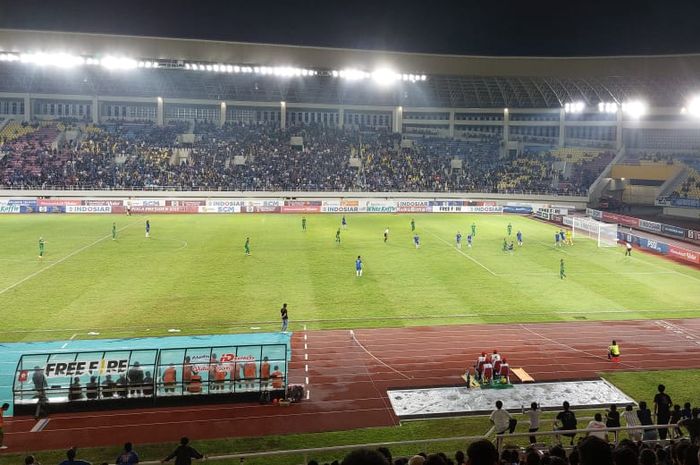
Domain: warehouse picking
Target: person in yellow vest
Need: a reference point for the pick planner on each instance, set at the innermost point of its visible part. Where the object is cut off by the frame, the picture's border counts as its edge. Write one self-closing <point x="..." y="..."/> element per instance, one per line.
<point x="613" y="350"/>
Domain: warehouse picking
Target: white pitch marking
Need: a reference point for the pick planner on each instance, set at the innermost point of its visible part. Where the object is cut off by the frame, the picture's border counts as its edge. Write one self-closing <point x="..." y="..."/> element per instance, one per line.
<point x="305" y="338"/>
<point x="40" y="425"/>
<point x="465" y="255"/>
<point x="307" y="380"/>
<point x="71" y="338"/>
<point x="12" y="286"/>
<point x="306" y="368"/>
<point x="306" y="347"/>
<point x="308" y="394"/>
<point x="306" y="356"/>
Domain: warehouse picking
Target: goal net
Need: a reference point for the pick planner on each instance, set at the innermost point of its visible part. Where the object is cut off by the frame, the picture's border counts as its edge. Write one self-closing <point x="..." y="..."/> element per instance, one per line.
<point x="605" y="234"/>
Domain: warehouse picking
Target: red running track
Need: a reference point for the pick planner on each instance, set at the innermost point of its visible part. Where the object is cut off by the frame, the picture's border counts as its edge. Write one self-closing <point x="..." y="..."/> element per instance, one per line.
<point x="347" y="378"/>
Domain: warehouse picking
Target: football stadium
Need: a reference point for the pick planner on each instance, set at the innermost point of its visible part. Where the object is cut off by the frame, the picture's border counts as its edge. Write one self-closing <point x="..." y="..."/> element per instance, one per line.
<point x="285" y="255"/>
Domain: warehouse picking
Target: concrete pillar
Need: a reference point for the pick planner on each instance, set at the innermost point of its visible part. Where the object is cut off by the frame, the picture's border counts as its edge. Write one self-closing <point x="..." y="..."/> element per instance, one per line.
<point x="618" y="132"/>
<point x="452" y="124"/>
<point x="562" y="127"/>
<point x="27" y="109"/>
<point x="283" y="115"/>
<point x="506" y="126"/>
<point x="159" y="111"/>
<point x="398" y="119"/>
<point x="341" y="118"/>
<point x="222" y="114"/>
<point x="95" y="110"/>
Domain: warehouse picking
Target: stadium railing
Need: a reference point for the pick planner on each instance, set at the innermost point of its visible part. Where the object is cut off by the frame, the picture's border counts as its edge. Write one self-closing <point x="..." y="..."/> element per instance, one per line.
<point x="501" y="442"/>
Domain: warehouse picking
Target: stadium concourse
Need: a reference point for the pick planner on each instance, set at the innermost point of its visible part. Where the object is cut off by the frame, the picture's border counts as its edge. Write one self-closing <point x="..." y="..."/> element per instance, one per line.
<point x="348" y="378"/>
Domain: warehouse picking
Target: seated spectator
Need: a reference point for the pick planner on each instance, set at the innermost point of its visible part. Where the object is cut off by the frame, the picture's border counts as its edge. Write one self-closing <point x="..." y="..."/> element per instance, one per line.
<point x="108" y="387"/>
<point x="31" y="460"/>
<point x="594" y="451"/>
<point x="148" y="386"/>
<point x="693" y="426"/>
<point x="128" y="456"/>
<point x="647" y="457"/>
<point x="365" y="457"/>
<point x="75" y="391"/>
<point x="121" y="388"/>
<point x="482" y="452"/>
<point x="71" y="460"/>
<point x="184" y="453"/>
<point x="597" y="424"/>
<point x="91" y="388"/>
<point x="566" y="420"/>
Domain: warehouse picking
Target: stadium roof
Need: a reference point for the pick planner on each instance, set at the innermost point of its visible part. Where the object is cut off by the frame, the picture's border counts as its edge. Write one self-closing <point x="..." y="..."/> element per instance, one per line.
<point x="334" y="58"/>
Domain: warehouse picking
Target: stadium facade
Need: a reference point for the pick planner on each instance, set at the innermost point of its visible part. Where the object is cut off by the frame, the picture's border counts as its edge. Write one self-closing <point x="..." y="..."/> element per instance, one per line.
<point x="603" y="102"/>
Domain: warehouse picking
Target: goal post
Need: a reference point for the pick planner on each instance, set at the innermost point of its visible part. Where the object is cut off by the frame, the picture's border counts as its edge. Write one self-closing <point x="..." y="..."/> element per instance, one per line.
<point x="603" y="233"/>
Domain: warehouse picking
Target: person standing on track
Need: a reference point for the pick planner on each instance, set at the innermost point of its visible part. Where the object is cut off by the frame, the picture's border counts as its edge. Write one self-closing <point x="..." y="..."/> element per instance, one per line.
<point x="613" y="350"/>
<point x="628" y="249"/>
<point x="285" y="317"/>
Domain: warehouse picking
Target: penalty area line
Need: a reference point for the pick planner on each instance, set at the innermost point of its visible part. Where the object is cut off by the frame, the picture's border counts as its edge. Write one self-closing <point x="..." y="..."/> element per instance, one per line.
<point x="76" y="252"/>
<point x="465" y="255"/>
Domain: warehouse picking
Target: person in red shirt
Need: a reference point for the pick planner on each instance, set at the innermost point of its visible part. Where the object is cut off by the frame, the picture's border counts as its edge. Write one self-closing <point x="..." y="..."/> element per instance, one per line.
<point x="169" y="379"/>
<point x="249" y="373"/>
<point x="265" y="373"/>
<point x="277" y="378"/>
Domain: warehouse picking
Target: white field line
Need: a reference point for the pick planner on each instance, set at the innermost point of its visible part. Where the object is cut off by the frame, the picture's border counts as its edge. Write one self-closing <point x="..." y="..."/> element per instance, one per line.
<point x="68" y="342"/>
<point x="352" y="333"/>
<point x="76" y="252"/>
<point x="465" y="255"/>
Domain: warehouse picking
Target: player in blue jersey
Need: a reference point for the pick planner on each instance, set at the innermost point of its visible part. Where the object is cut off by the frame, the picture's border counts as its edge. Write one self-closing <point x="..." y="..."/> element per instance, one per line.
<point x="344" y="222"/>
<point x="416" y="240"/>
<point x="358" y="266"/>
<point x="562" y="237"/>
<point x="148" y="228"/>
<point x="519" y="237"/>
<point x="556" y="239"/>
<point x="458" y="239"/>
<point x="469" y="241"/>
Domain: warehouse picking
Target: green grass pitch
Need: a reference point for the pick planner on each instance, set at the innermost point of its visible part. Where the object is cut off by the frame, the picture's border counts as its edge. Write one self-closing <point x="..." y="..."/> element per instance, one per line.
<point x="193" y="275"/>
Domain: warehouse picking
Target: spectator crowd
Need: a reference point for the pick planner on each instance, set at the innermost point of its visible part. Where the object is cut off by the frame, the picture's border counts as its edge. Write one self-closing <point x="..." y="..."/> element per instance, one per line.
<point x="241" y="156"/>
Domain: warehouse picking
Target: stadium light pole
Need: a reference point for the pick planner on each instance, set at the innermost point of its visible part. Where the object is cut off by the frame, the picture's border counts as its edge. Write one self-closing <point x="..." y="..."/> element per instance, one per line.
<point x="283" y="115"/>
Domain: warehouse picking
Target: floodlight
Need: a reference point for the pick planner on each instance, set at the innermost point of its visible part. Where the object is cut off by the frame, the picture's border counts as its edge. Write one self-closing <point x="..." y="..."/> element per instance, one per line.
<point x="236" y="69"/>
<point x="334" y="73"/>
<point x="423" y="77"/>
<point x="574" y="107"/>
<point x="693" y="107"/>
<point x="635" y="108"/>
<point x="118" y="63"/>
<point x="384" y="77"/>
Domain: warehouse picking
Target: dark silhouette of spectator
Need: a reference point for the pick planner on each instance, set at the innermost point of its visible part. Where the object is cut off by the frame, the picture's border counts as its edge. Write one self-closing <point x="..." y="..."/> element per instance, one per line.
<point x="184" y="453"/>
<point x="364" y="457"/>
<point x="121" y="386"/>
<point x="39" y="380"/>
<point x="459" y="458"/>
<point x="594" y="451"/>
<point x="566" y="420"/>
<point x="647" y="457"/>
<point x="644" y="415"/>
<point x="662" y="410"/>
<point x="135" y="376"/>
<point x="71" y="460"/>
<point x="693" y="426"/>
<point x="91" y="388"/>
<point x="31" y="460"/>
<point x="108" y="387"/>
<point x="386" y="453"/>
<point x="435" y="459"/>
<point x="148" y="384"/>
<point x="482" y="452"/>
<point x="128" y="456"/>
<point x="75" y="390"/>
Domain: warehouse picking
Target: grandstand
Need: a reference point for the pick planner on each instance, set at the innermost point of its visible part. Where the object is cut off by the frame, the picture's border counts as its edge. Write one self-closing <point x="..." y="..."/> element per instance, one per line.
<point x="115" y="130"/>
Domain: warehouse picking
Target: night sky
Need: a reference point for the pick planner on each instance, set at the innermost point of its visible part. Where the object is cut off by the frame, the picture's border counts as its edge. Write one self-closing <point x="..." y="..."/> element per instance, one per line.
<point x="484" y="27"/>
